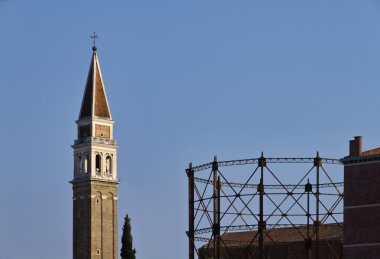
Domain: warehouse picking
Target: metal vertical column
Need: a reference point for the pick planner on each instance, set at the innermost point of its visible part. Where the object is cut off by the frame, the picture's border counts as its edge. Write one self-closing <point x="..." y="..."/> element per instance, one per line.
<point x="308" y="240"/>
<point x="190" y="175"/>
<point x="215" y="226"/>
<point x="219" y="187"/>
<point x="261" y="164"/>
<point x="317" y="163"/>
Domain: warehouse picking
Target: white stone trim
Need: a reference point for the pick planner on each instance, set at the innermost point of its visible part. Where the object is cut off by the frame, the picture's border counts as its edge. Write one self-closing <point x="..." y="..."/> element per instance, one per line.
<point x="81" y="197"/>
<point x="115" y="198"/>
<point x="104" y="197"/>
<point x="362" y="245"/>
<point x="362" y="206"/>
<point x="74" y="198"/>
<point x="91" y="196"/>
<point x="362" y="163"/>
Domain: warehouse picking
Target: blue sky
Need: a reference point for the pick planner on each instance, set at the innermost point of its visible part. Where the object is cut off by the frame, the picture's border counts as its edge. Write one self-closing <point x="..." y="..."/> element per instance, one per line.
<point x="186" y="80"/>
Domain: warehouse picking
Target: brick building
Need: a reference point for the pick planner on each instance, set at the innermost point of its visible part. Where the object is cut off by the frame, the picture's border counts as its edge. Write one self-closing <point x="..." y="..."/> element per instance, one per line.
<point x="281" y="243"/>
<point x="361" y="202"/>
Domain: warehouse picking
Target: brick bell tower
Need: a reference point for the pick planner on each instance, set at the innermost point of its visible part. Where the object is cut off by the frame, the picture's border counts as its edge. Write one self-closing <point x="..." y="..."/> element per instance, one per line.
<point x="95" y="174"/>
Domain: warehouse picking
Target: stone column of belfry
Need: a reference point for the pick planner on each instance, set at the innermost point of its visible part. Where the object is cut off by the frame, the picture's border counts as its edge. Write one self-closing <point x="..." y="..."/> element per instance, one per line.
<point x="95" y="174"/>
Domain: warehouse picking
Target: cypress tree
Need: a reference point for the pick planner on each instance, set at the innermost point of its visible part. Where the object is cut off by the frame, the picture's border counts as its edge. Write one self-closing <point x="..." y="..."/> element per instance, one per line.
<point x="127" y="251"/>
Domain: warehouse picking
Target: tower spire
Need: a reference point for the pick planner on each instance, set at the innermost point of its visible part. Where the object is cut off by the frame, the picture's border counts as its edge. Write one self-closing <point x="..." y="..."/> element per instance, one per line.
<point x="94" y="102"/>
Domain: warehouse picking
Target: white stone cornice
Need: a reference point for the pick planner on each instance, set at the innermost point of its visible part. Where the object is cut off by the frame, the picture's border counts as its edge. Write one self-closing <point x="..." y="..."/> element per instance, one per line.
<point x="361" y="245"/>
<point x="362" y="206"/>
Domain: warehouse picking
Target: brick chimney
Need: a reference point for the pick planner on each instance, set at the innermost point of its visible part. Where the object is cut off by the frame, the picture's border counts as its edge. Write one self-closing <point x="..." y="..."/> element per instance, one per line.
<point x="356" y="146"/>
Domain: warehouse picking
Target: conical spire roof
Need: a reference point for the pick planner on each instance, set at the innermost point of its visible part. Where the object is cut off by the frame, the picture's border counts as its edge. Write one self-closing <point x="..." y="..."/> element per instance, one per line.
<point x="94" y="102"/>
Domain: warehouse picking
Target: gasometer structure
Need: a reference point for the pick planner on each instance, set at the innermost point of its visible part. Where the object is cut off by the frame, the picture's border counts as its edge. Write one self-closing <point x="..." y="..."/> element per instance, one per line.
<point x="264" y="208"/>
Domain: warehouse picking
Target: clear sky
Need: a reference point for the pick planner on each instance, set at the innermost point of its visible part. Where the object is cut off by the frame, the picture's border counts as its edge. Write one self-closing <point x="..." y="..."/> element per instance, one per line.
<point x="186" y="80"/>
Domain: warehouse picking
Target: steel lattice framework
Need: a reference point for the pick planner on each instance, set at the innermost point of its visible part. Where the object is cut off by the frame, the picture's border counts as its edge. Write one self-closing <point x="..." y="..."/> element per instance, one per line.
<point x="259" y="202"/>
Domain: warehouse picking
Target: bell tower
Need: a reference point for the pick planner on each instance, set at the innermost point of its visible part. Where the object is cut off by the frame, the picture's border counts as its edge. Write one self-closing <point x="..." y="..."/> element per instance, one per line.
<point x="95" y="173"/>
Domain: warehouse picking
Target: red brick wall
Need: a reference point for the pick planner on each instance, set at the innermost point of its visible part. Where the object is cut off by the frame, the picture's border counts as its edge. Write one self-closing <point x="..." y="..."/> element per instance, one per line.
<point x="362" y="210"/>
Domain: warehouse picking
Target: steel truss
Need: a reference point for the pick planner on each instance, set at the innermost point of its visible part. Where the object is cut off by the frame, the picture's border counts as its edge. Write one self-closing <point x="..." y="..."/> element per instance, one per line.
<point x="260" y="204"/>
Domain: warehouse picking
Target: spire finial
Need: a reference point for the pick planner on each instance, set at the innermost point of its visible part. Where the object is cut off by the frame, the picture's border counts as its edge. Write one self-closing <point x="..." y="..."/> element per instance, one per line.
<point x="94" y="37"/>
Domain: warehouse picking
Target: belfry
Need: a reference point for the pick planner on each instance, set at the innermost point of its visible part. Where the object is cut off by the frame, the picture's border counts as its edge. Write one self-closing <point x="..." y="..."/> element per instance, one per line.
<point x="95" y="173"/>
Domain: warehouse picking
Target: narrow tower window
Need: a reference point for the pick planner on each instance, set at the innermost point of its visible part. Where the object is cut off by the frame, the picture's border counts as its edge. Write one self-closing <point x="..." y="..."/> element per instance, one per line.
<point x="98" y="162"/>
<point x="80" y="164"/>
<point x="109" y="166"/>
<point x="85" y="164"/>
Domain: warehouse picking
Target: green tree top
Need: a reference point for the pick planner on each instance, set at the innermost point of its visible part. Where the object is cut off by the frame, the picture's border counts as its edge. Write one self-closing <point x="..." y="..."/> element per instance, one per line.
<point x="127" y="251"/>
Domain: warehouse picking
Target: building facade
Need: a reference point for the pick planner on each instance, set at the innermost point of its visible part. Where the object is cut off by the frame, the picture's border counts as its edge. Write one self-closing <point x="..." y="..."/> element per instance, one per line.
<point x="95" y="179"/>
<point x="280" y="243"/>
<point x="361" y="202"/>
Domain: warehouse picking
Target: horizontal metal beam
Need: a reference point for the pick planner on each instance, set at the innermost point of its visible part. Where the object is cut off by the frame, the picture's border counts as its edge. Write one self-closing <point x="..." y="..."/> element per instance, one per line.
<point x="268" y="160"/>
<point x="245" y="227"/>
<point x="268" y="186"/>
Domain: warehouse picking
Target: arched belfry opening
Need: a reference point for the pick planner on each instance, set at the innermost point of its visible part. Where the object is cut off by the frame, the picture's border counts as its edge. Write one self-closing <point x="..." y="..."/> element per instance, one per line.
<point x="98" y="164"/>
<point x="109" y="165"/>
<point x="85" y="164"/>
<point x="79" y="164"/>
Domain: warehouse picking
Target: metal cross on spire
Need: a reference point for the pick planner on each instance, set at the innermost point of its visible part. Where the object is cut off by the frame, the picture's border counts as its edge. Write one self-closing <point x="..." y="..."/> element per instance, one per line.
<point x="94" y="37"/>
